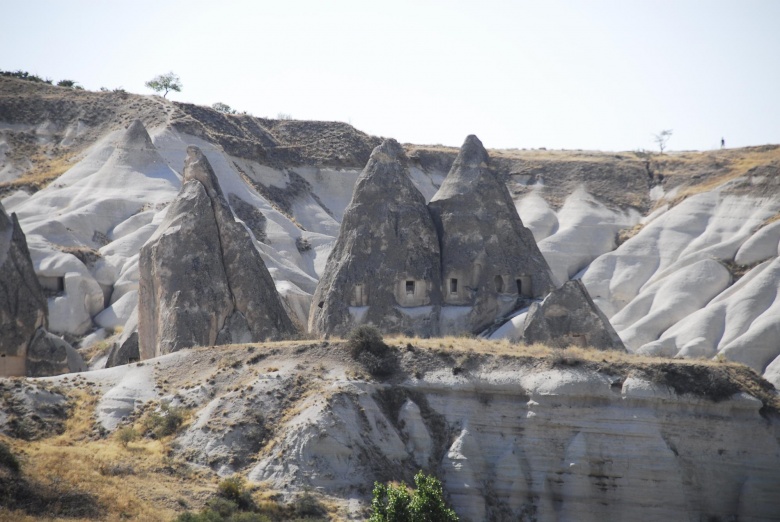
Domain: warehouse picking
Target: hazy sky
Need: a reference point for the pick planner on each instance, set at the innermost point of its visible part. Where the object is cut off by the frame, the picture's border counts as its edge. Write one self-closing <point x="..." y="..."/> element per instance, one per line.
<point x="590" y="74"/>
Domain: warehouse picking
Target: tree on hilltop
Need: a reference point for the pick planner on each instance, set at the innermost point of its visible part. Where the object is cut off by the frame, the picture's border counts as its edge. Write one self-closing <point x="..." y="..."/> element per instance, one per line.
<point x="662" y="138"/>
<point x="165" y="82"/>
<point x="224" y="108"/>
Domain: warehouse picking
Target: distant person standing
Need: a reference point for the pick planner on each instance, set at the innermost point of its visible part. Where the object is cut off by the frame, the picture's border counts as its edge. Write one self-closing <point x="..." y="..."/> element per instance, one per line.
<point x="723" y="143"/>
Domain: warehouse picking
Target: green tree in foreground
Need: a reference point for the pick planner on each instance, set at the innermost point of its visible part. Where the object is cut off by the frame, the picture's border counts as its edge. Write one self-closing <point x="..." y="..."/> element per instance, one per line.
<point x="165" y="82"/>
<point x="396" y="503"/>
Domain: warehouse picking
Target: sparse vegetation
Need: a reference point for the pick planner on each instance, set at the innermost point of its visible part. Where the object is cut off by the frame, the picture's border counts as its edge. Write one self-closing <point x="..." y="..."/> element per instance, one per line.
<point x="366" y="346"/>
<point x="8" y="460"/>
<point x="164" y="421"/>
<point x="662" y="138"/>
<point x="234" y="503"/>
<point x="67" y="83"/>
<point x="165" y="83"/>
<point x="224" y="108"/>
<point x="397" y="503"/>
<point x="24" y="75"/>
<point x="126" y="435"/>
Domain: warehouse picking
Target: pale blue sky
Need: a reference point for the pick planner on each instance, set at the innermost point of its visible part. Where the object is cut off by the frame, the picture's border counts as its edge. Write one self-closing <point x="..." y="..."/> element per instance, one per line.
<point x="558" y="74"/>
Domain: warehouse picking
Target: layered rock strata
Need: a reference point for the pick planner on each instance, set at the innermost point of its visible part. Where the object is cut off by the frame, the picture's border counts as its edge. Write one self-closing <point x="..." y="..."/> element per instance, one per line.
<point x="384" y="268"/>
<point x="202" y="281"/>
<point x="545" y="445"/>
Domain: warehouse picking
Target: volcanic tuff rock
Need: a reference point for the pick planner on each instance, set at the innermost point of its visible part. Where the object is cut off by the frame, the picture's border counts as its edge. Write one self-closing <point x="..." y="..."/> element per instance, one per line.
<point x="387" y="255"/>
<point x="51" y="355"/>
<point x="22" y="304"/>
<point x="488" y="258"/>
<point x="202" y="282"/>
<point x="26" y="348"/>
<point x="568" y="316"/>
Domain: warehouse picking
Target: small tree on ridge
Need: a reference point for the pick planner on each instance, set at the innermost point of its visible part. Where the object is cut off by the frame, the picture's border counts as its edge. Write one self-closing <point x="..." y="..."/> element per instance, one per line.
<point x="165" y="82"/>
<point x="662" y="138"/>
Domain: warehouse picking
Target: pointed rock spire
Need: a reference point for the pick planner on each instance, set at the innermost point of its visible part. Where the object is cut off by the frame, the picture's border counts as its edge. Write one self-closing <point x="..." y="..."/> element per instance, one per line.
<point x="488" y="258"/>
<point x="568" y="316"/>
<point x="22" y="303"/>
<point x="136" y="137"/>
<point x="202" y="281"/>
<point x="384" y="268"/>
<point x="197" y="167"/>
<point x="26" y="348"/>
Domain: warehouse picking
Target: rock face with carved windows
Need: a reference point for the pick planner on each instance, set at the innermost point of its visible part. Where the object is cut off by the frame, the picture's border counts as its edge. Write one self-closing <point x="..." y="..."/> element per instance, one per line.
<point x="384" y="268"/>
<point x="457" y="265"/>
<point x="490" y="263"/>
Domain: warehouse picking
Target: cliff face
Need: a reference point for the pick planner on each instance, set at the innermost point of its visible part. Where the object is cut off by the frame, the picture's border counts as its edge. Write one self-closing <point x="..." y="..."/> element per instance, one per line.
<point x="518" y="435"/>
<point x="560" y="444"/>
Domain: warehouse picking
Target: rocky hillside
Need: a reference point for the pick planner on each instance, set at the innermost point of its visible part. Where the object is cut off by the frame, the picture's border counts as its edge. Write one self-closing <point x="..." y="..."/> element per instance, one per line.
<point x="514" y="433"/>
<point x="674" y="248"/>
<point x="679" y="251"/>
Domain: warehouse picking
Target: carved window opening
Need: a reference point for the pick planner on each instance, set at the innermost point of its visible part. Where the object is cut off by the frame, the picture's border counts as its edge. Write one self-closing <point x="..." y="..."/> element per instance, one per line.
<point x="519" y="286"/>
<point x="453" y="286"/>
<point x="359" y="297"/>
<point x="410" y="288"/>
<point x="499" y="283"/>
<point x="52" y="285"/>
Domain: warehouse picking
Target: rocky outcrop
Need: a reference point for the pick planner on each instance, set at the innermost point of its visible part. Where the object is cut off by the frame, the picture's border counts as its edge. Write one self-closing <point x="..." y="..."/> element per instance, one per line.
<point x="51" y="355"/>
<point x="202" y="281"/>
<point x="568" y="317"/>
<point x="22" y="303"/>
<point x="26" y="348"/>
<point x="562" y="444"/>
<point x="488" y="258"/>
<point x="384" y="268"/>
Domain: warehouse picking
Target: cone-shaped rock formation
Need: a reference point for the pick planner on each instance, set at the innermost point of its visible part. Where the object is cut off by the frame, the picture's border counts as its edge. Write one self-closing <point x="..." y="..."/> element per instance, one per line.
<point x="26" y="348"/>
<point x="488" y="258"/>
<point x="384" y="268"/>
<point x="569" y="317"/>
<point x="202" y="281"/>
<point x="22" y="303"/>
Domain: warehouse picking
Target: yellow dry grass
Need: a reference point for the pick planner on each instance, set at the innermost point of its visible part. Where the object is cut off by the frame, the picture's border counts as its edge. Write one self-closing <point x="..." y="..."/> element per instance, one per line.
<point x="146" y="490"/>
<point x="45" y="170"/>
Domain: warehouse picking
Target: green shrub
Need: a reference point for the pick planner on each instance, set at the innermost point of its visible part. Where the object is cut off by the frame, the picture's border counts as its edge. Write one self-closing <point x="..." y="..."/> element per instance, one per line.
<point x="166" y="421"/>
<point x="307" y="505"/>
<point x="8" y="460"/>
<point x="126" y="435"/>
<point x="366" y="346"/>
<point x="395" y="503"/>
<point x="233" y="490"/>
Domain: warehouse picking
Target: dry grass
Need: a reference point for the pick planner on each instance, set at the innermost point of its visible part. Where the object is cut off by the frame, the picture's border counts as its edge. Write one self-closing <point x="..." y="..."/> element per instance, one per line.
<point x="704" y="171"/>
<point x="145" y="482"/>
<point x="140" y="482"/>
<point x="45" y="170"/>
